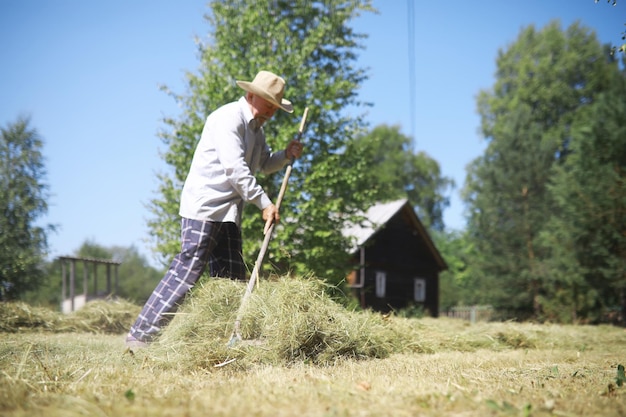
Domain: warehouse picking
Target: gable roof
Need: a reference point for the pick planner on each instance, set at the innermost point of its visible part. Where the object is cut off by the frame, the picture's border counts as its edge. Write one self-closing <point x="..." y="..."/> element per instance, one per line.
<point x="375" y="217"/>
<point x="378" y="215"/>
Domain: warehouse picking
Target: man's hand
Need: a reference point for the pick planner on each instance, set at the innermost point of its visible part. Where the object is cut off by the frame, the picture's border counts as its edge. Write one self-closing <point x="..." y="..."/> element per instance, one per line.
<point x="270" y="215"/>
<point x="294" y="150"/>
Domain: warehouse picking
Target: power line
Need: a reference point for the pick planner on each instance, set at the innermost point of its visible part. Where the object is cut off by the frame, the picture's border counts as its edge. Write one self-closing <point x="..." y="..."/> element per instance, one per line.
<point x="411" y="55"/>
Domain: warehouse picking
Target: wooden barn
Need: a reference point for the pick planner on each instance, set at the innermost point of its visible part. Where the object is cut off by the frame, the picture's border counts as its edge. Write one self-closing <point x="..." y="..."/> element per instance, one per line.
<point x="397" y="262"/>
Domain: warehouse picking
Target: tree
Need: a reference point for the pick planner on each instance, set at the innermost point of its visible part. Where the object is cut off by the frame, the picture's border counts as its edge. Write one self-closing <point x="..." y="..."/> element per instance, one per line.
<point x="457" y="285"/>
<point x="311" y="45"/>
<point x="23" y="201"/>
<point x="395" y="171"/>
<point x="545" y="81"/>
<point x="587" y="237"/>
<point x="137" y="278"/>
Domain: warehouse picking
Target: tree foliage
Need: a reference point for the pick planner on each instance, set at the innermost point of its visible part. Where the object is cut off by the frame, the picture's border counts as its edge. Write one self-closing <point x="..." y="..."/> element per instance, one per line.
<point x="396" y="171"/>
<point x="587" y="236"/>
<point x="456" y="284"/>
<point x="23" y="201"/>
<point x="546" y="81"/>
<point x="136" y="278"/>
<point x="310" y="44"/>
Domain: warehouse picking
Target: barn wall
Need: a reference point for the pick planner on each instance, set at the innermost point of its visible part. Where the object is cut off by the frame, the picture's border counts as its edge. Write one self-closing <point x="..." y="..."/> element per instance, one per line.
<point x="399" y="292"/>
<point x="400" y="252"/>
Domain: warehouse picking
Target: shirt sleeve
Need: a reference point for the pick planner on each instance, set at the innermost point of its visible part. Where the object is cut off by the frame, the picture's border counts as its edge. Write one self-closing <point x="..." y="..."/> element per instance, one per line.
<point x="273" y="161"/>
<point x="230" y="148"/>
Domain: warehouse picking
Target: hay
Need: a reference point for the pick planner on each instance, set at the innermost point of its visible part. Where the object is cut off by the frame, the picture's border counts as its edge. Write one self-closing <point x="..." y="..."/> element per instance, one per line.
<point x="99" y="316"/>
<point x="286" y="320"/>
<point x="18" y="316"/>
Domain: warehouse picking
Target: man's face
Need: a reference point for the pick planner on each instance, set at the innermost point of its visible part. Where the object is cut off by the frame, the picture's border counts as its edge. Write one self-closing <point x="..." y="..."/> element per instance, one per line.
<point x="262" y="110"/>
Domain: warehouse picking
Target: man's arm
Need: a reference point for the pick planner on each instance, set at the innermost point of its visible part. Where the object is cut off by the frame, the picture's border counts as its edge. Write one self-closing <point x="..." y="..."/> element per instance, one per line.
<point x="272" y="162"/>
<point x="229" y="145"/>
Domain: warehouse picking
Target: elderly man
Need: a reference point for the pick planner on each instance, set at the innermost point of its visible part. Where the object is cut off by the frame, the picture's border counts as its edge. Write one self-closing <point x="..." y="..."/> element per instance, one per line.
<point x="220" y="180"/>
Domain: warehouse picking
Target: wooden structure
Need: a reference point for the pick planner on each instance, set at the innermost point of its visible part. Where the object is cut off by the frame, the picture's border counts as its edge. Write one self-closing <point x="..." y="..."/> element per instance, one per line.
<point x="397" y="262"/>
<point x="71" y="300"/>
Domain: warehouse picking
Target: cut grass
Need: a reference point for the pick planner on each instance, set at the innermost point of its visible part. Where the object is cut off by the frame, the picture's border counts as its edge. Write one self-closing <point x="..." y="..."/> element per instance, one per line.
<point x="317" y="359"/>
<point x="287" y="321"/>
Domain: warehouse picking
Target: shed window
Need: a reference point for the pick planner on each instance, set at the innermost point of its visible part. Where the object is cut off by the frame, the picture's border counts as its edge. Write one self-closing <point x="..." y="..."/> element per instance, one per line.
<point x="381" y="283"/>
<point x="419" y="290"/>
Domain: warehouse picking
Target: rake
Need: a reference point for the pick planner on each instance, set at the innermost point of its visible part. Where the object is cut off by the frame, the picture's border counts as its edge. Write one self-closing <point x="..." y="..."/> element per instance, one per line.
<point x="269" y="228"/>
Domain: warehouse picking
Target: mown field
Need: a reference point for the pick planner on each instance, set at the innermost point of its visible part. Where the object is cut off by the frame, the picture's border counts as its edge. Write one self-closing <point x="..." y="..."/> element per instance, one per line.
<point x="309" y="357"/>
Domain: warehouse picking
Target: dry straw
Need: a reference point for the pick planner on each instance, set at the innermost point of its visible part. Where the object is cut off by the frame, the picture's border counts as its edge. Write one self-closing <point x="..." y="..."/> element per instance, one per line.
<point x="16" y="316"/>
<point x="99" y="316"/>
<point x="293" y="332"/>
<point x="290" y="320"/>
<point x="102" y="316"/>
<point x="286" y="320"/>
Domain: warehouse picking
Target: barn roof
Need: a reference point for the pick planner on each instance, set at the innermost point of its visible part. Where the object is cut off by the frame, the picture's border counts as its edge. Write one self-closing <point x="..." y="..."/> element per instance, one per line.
<point x="378" y="215"/>
<point x="375" y="217"/>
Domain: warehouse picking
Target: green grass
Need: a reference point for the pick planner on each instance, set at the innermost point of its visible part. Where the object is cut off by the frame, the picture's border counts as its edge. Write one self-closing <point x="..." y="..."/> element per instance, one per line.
<point x="315" y="359"/>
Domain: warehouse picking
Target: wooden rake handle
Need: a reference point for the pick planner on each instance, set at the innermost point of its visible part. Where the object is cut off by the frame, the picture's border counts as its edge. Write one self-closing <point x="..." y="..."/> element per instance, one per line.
<point x="269" y="224"/>
<point x="269" y="228"/>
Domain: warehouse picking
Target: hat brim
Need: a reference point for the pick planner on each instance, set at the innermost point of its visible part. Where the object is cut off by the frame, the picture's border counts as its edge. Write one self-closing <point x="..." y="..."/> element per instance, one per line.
<point x="251" y="88"/>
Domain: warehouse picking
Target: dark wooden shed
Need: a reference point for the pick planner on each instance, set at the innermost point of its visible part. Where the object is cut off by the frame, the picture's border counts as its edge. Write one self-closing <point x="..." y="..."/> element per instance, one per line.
<point x="397" y="262"/>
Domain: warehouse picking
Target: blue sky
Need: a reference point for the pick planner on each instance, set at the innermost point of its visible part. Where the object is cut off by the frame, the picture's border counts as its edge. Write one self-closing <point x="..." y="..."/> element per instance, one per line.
<point x="88" y="75"/>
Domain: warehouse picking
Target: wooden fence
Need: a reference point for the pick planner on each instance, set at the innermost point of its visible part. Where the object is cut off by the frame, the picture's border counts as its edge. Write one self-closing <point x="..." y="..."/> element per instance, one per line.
<point x="470" y="313"/>
<point x="75" y="300"/>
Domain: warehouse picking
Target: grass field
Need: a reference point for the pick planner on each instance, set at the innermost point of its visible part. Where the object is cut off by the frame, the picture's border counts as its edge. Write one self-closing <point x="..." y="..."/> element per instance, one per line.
<point x="78" y="366"/>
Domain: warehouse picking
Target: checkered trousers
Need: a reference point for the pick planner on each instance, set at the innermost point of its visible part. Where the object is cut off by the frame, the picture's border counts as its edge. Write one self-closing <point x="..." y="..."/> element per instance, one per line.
<point x="215" y="244"/>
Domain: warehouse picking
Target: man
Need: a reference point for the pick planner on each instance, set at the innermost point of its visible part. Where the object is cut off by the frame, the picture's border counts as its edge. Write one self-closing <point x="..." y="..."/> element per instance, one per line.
<point x="220" y="180"/>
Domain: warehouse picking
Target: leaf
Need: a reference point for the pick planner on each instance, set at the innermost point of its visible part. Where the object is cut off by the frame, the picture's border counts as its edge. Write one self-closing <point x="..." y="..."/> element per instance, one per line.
<point x="621" y="377"/>
<point x="364" y="386"/>
<point x="493" y="405"/>
<point x="527" y="410"/>
<point x="130" y="395"/>
<point x="506" y="406"/>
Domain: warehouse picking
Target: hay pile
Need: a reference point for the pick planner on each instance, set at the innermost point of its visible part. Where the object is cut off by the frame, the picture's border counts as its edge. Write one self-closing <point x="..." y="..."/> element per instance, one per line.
<point x="18" y="316"/>
<point x="99" y="316"/>
<point x="286" y="320"/>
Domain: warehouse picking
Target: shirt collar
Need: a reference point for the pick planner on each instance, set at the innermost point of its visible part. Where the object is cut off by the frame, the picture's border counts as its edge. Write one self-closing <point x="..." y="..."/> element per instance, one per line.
<point x="247" y="113"/>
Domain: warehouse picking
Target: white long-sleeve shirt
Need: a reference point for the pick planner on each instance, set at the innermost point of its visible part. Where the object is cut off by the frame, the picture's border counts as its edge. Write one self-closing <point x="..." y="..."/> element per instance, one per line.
<point x="221" y="177"/>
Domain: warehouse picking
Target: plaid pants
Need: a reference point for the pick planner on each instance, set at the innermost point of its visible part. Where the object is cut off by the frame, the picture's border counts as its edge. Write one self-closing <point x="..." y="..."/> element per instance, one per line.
<point x="203" y="242"/>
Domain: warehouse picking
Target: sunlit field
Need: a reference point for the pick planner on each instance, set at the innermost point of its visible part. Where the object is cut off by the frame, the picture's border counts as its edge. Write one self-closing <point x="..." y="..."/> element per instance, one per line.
<point x="302" y="354"/>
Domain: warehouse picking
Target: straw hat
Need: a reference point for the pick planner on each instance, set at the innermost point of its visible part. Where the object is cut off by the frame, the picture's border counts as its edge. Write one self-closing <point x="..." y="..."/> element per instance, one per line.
<point x="270" y="87"/>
